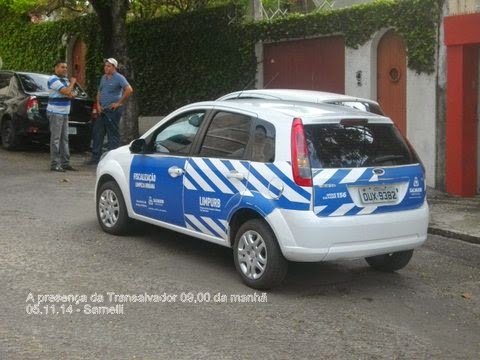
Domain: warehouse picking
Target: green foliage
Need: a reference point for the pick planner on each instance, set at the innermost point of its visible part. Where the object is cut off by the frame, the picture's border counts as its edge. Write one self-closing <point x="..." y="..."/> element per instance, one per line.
<point x="200" y="55"/>
<point x="189" y="57"/>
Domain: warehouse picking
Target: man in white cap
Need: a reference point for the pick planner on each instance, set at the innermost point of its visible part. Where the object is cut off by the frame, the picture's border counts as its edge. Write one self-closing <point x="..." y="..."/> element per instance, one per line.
<point x="112" y="94"/>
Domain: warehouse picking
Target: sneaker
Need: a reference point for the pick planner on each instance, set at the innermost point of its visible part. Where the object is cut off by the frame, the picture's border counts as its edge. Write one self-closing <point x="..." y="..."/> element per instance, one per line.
<point x="69" y="168"/>
<point x="57" y="169"/>
<point x="92" y="162"/>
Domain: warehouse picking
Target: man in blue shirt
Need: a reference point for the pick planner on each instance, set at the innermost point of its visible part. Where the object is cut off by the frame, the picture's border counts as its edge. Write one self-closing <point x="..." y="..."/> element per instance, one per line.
<point x="112" y="94"/>
<point x="58" y="110"/>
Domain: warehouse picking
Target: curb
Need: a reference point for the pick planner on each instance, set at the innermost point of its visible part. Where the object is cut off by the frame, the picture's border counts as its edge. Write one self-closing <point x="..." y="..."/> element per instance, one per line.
<point x="453" y="234"/>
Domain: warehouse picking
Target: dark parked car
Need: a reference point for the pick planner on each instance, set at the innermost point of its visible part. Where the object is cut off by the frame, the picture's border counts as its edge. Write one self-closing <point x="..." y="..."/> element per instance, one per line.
<point x="23" y="104"/>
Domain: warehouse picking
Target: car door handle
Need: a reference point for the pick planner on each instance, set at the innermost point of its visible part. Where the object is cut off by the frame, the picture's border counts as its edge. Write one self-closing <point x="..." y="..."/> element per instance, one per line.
<point x="175" y="171"/>
<point x="235" y="175"/>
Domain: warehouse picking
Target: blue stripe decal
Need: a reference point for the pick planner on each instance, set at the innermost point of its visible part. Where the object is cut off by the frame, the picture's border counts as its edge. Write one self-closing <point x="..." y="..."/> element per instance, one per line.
<point x="220" y="225"/>
<point x="337" y="194"/>
<point x="228" y="165"/>
<point x="205" y="177"/>
<point x="259" y="177"/>
<point x="194" y="183"/>
<point x="353" y="211"/>
<point x="220" y="175"/>
<point x="188" y="222"/>
<point x="289" y="182"/>
<point x="214" y="232"/>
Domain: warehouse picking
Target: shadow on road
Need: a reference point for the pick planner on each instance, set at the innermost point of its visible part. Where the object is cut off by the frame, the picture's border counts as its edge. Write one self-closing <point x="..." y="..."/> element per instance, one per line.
<point x="330" y="279"/>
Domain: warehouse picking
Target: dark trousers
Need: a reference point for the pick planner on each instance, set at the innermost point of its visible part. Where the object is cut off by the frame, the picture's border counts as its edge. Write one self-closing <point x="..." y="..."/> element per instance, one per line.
<point x="108" y="123"/>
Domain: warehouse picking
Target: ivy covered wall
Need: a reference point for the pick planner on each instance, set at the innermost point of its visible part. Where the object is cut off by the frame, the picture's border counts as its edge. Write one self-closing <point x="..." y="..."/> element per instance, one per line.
<point x="199" y="56"/>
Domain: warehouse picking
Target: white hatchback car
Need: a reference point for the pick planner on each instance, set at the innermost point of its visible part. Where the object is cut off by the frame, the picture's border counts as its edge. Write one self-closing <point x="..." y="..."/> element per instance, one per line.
<point x="275" y="181"/>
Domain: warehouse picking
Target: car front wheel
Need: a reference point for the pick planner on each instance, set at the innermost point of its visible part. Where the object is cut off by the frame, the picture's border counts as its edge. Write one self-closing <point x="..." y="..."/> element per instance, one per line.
<point x="258" y="258"/>
<point x="111" y="210"/>
<point x="390" y="262"/>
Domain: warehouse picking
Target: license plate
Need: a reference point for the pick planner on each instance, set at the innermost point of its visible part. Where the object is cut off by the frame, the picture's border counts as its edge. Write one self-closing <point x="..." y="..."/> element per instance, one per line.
<point x="72" y="130"/>
<point x="378" y="194"/>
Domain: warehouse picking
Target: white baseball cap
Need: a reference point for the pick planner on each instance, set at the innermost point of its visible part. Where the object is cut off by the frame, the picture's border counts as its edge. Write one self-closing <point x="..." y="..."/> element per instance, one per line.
<point x="111" y="61"/>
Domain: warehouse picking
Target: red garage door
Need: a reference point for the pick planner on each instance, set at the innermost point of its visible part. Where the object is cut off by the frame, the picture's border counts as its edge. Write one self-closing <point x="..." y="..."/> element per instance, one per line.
<point x="315" y="64"/>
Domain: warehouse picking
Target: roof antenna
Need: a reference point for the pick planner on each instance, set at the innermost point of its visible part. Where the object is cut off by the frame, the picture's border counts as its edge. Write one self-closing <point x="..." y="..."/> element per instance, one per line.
<point x="250" y="83"/>
<point x="271" y="80"/>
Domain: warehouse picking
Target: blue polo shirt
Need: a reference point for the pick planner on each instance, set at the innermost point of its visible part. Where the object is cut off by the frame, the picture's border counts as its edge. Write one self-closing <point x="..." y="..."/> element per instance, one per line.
<point x="111" y="90"/>
<point x="57" y="102"/>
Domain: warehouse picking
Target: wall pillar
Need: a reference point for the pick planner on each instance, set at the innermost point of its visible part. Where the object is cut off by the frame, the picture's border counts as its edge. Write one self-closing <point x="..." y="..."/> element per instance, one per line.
<point x="462" y="39"/>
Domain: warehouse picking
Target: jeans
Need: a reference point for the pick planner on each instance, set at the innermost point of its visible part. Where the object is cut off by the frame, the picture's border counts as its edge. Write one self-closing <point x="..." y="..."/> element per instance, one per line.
<point x="59" y="150"/>
<point x="109" y="123"/>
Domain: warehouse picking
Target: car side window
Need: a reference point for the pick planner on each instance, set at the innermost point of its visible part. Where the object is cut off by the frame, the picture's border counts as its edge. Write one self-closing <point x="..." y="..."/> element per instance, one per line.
<point x="178" y="135"/>
<point x="263" y="142"/>
<point x="227" y="136"/>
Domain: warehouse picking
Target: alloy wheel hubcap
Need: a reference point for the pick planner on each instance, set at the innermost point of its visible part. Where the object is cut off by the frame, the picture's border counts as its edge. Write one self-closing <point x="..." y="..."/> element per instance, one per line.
<point x="252" y="255"/>
<point x="109" y="208"/>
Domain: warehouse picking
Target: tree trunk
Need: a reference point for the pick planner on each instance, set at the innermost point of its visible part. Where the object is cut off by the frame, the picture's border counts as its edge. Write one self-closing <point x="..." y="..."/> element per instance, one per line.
<point x="112" y="17"/>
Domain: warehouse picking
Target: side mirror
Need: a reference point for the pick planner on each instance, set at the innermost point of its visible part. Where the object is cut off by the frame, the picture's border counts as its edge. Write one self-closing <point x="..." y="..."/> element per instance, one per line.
<point x="138" y="146"/>
<point x="195" y="120"/>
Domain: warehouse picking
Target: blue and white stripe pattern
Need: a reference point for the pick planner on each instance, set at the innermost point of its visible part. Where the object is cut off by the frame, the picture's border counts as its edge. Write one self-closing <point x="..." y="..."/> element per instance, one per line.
<point x="57" y="102"/>
<point x="332" y="198"/>
<point x="207" y="225"/>
<point x="265" y="179"/>
<point x="210" y="176"/>
<point x="264" y="186"/>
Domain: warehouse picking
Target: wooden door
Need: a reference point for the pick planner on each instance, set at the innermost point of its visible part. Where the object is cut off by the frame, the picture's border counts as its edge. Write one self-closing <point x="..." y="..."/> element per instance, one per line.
<point x="78" y="66"/>
<point x="392" y="78"/>
<point x="313" y="64"/>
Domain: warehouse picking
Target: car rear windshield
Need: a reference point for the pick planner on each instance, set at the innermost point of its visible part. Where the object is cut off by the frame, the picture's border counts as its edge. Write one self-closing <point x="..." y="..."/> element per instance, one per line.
<point x="34" y="82"/>
<point x="351" y="146"/>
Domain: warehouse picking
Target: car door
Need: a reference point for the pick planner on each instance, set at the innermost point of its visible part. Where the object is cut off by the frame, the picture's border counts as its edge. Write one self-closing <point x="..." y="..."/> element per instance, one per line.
<point x="216" y="178"/>
<point x="156" y="178"/>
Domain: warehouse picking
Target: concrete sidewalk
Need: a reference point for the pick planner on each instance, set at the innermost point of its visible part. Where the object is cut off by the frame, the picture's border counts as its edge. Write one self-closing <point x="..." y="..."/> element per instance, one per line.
<point x="453" y="216"/>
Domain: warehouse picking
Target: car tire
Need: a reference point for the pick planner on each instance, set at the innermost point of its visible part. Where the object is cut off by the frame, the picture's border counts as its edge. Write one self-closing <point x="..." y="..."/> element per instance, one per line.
<point x="9" y="135"/>
<point x="390" y="262"/>
<point x="257" y="255"/>
<point x="112" y="213"/>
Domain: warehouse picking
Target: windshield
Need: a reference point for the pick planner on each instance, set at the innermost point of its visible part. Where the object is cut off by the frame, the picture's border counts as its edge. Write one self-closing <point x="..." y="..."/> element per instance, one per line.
<point x="351" y="146"/>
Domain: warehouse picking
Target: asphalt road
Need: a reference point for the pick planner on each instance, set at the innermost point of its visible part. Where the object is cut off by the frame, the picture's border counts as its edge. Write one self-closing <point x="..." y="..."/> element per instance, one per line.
<point x="50" y="244"/>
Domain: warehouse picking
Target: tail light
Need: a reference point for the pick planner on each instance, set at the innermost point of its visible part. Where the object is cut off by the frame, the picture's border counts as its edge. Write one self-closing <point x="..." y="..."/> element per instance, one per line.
<point x="94" y="111"/>
<point x="31" y="107"/>
<point x="414" y="154"/>
<point x="302" y="173"/>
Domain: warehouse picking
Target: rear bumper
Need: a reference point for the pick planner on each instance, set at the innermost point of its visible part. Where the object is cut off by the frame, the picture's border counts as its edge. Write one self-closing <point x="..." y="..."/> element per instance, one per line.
<point x="303" y="236"/>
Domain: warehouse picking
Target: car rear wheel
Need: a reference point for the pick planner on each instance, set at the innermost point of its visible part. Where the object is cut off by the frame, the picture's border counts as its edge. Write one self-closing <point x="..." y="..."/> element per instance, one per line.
<point x="390" y="262"/>
<point x="258" y="258"/>
<point x="9" y="136"/>
<point x="111" y="210"/>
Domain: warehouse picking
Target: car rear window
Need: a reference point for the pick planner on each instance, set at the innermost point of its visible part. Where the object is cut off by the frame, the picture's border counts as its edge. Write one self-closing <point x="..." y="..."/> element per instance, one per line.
<point x="34" y="82"/>
<point x="357" y="145"/>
